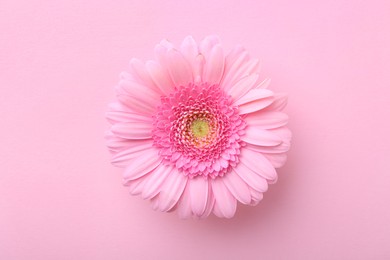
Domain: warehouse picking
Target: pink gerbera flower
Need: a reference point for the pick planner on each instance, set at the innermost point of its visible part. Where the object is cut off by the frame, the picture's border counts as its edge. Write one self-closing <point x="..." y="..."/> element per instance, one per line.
<point x="196" y="130"/>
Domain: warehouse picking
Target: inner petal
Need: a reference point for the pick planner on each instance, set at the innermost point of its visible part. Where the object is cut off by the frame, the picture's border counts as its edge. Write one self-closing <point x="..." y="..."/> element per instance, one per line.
<point x="198" y="130"/>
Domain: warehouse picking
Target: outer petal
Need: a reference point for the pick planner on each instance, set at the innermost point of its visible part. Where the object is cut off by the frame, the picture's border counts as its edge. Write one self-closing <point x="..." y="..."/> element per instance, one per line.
<point x="254" y="100"/>
<point x="217" y="211"/>
<point x="256" y="197"/>
<point x="250" y="67"/>
<point x="224" y="200"/>
<point x="184" y="209"/>
<point x="264" y="84"/>
<point x="279" y="103"/>
<point x="123" y="116"/>
<point x="198" y="68"/>
<point x="138" y="167"/>
<point x="136" y="97"/>
<point x="179" y="68"/>
<point x="189" y="49"/>
<point x="160" y="77"/>
<point x="256" y="136"/>
<point x="137" y="105"/>
<point x="133" y="150"/>
<point x="136" y="186"/>
<point x="117" y="112"/>
<point x="267" y="120"/>
<point x="210" y="201"/>
<point x="139" y="70"/>
<point x="281" y="148"/>
<point x="276" y="159"/>
<point x="207" y="44"/>
<point x="283" y="132"/>
<point x="236" y="58"/>
<point x="198" y="188"/>
<point x="155" y="181"/>
<point x="258" y="164"/>
<point x="160" y="52"/>
<point x="137" y="131"/>
<point x="253" y="179"/>
<point x="172" y="190"/>
<point x="116" y="144"/>
<point x="243" y="86"/>
<point x="139" y="90"/>
<point x="213" y="69"/>
<point x="237" y="187"/>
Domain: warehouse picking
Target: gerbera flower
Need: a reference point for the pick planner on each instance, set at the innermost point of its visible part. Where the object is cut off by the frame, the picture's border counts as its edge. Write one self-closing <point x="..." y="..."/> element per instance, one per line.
<point x="196" y="130"/>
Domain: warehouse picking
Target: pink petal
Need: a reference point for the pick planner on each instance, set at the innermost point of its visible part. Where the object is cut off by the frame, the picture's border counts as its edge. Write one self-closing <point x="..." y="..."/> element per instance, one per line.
<point x="242" y="87"/>
<point x="224" y="200"/>
<point x="139" y="70"/>
<point x="117" y="112"/>
<point x="283" y="132"/>
<point x="133" y="150"/>
<point x="181" y="161"/>
<point x="189" y="49"/>
<point x="279" y="103"/>
<point x="122" y="116"/>
<point x="213" y="69"/>
<point x="257" y="136"/>
<point x="254" y="100"/>
<point x="216" y="166"/>
<point x="155" y="181"/>
<point x="251" y="178"/>
<point x="237" y="187"/>
<point x="217" y="211"/>
<point x="267" y="120"/>
<point x="160" y="52"/>
<point x="256" y="197"/>
<point x="136" y="186"/>
<point x="210" y="202"/>
<point x="224" y="163"/>
<point x="139" y="90"/>
<point x="160" y="77"/>
<point x="198" y="187"/>
<point x="136" y="105"/>
<point x="234" y="61"/>
<point x="250" y="67"/>
<point x="258" y="164"/>
<point x="172" y="190"/>
<point x="116" y="144"/>
<point x="167" y="44"/>
<point x="179" y="68"/>
<point x="276" y="159"/>
<point x="264" y="84"/>
<point x="198" y="68"/>
<point x="118" y="107"/>
<point x="148" y="161"/>
<point x="207" y="44"/>
<point x="139" y="130"/>
<point x="184" y="209"/>
<point x="281" y="148"/>
<point x="137" y="97"/>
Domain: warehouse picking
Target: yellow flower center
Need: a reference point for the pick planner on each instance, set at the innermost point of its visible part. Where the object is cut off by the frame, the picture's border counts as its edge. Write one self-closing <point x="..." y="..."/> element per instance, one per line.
<point x="200" y="128"/>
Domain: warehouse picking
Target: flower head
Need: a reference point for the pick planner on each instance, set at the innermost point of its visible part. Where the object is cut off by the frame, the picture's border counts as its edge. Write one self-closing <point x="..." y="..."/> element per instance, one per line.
<point x="196" y="130"/>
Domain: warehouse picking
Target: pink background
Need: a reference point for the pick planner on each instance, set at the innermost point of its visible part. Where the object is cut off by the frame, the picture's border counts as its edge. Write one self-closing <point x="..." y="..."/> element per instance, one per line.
<point x="61" y="199"/>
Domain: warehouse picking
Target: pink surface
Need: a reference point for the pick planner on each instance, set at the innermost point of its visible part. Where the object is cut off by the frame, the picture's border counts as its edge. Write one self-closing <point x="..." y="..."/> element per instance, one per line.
<point x="61" y="199"/>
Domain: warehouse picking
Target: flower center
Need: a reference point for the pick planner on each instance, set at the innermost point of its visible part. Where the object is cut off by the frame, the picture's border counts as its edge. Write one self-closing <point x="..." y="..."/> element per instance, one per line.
<point x="200" y="128"/>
